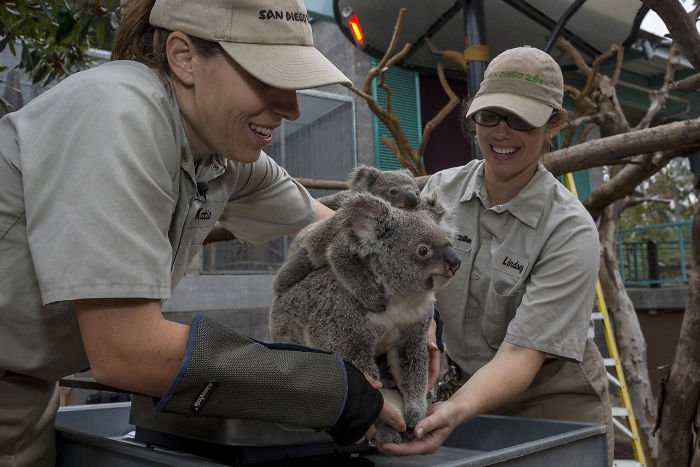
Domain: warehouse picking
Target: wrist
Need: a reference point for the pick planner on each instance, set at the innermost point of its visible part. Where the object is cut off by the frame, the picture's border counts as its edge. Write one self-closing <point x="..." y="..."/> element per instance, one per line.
<point x="463" y="407"/>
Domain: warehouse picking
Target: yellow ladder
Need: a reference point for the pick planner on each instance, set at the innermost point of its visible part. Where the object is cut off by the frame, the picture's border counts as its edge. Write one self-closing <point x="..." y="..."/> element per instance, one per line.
<point x="618" y="378"/>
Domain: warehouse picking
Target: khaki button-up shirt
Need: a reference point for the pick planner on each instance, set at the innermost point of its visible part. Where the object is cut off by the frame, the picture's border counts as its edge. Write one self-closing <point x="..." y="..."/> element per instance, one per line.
<point x="99" y="199"/>
<point x="528" y="273"/>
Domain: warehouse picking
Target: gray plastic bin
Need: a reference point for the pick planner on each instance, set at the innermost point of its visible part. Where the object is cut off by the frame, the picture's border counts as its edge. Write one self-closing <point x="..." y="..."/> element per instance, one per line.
<point x="93" y="435"/>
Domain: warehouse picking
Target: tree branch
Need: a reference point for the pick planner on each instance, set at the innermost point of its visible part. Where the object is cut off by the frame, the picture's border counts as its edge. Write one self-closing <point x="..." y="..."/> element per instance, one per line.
<point x="444" y="112"/>
<point x="682" y="136"/>
<point x="659" y="97"/>
<point x="681" y="27"/>
<point x="688" y="84"/>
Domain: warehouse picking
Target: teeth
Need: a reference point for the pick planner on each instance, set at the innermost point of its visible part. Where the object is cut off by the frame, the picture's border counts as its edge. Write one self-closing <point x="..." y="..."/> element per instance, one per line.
<point x="260" y="129"/>
<point x="504" y="151"/>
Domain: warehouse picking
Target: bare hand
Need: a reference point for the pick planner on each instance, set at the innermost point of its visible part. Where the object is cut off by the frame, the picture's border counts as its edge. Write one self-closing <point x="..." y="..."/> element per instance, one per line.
<point x="434" y="355"/>
<point x="388" y="415"/>
<point x="429" y="433"/>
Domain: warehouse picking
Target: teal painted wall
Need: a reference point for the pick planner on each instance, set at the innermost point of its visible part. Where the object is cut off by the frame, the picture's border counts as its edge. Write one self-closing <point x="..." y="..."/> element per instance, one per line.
<point x="405" y="103"/>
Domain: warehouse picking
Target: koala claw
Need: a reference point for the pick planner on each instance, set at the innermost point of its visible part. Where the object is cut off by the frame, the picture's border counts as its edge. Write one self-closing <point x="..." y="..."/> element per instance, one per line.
<point x="413" y="416"/>
<point x="386" y="434"/>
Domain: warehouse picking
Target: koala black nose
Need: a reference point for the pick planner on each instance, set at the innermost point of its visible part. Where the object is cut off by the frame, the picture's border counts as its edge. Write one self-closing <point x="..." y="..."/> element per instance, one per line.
<point x="451" y="258"/>
<point x="411" y="199"/>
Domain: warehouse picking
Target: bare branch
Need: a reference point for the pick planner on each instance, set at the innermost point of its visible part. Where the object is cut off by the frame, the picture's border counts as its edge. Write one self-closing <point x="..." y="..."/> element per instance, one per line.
<point x="586" y="119"/>
<point x="595" y="68"/>
<point x="681" y="26"/>
<point x="582" y="136"/>
<point x="695" y="13"/>
<point x="374" y="71"/>
<point x="629" y="201"/>
<point x="627" y="179"/>
<point x="688" y="84"/>
<point x="677" y="135"/>
<point x="444" y="112"/>
<point x="567" y="47"/>
<point x="618" y="64"/>
<point x="659" y="97"/>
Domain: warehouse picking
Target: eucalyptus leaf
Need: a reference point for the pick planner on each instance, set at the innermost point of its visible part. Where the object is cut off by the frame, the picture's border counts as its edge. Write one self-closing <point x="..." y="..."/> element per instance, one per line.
<point x="114" y="21"/>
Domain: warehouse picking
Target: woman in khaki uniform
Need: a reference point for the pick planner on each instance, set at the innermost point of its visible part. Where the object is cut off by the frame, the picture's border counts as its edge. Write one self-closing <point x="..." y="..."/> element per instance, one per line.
<point x="517" y="312"/>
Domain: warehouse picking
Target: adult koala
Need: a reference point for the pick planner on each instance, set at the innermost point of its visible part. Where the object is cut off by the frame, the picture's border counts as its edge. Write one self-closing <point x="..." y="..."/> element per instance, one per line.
<point x="398" y="187"/>
<point x="369" y="243"/>
<point x="308" y="250"/>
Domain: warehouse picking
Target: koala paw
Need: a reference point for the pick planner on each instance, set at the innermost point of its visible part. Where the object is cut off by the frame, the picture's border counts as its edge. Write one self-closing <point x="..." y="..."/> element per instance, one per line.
<point x="386" y="434"/>
<point x="413" y="416"/>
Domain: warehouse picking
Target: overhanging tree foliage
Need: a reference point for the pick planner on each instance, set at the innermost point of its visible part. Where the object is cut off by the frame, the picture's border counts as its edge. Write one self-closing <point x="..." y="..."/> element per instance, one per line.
<point x="52" y="37"/>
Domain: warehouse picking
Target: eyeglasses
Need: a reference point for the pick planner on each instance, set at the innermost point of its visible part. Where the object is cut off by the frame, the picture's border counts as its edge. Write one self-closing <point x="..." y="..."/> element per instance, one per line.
<point x="490" y="118"/>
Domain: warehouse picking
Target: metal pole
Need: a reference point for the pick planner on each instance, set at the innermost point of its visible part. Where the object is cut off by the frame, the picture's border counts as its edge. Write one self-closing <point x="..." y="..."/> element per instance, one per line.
<point x="562" y="22"/>
<point x="474" y="34"/>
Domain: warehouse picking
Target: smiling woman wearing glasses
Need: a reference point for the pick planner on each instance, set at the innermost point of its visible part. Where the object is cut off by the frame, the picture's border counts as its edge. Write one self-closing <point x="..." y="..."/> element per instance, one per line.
<point x="517" y="312"/>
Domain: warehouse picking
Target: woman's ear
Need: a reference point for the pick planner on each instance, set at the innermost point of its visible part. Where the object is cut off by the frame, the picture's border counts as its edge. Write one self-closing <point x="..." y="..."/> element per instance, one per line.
<point x="559" y="124"/>
<point x="180" y="51"/>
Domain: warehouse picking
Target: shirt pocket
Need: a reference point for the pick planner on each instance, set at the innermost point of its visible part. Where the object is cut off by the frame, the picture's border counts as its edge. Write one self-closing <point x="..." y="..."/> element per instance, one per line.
<point x="501" y="304"/>
<point x="201" y="219"/>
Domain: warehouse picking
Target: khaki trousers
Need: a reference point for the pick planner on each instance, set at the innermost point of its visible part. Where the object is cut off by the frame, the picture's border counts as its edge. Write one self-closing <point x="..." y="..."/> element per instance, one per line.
<point x="27" y="412"/>
<point x="571" y="391"/>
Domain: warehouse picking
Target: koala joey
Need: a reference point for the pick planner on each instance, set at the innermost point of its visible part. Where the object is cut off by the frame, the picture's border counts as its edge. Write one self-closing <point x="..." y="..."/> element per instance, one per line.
<point x="370" y="242"/>
<point x="398" y="187"/>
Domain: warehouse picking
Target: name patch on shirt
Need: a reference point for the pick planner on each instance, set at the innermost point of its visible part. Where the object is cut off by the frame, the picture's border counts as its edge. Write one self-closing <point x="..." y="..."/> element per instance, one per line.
<point x="510" y="263"/>
<point x="462" y="239"/>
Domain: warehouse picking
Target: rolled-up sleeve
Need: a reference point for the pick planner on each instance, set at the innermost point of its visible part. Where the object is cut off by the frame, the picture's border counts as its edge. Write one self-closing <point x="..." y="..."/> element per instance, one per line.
<point x="267" y="203"/>
<point x="556" y="307"/>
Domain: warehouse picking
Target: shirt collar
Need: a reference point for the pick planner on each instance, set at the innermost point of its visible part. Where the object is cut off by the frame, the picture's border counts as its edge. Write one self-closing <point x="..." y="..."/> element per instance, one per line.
<point x="528" y="204"/>
<point x="475" y="186"/>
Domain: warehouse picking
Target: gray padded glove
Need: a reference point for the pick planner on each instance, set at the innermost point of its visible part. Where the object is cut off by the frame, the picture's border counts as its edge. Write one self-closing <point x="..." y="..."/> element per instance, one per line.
<point x="224" y="374"/>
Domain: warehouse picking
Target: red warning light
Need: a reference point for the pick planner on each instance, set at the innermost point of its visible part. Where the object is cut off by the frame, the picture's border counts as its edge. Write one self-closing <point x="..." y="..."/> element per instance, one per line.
<point x="356" y="29"/>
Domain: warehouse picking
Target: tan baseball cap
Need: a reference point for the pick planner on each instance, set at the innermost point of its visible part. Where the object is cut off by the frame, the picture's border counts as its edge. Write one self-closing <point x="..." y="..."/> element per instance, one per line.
<point x="270" y="39"/>
<point x="525" y="81"/>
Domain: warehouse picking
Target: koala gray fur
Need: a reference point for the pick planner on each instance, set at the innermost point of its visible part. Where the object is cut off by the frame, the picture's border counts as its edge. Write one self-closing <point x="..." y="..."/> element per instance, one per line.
<point x="308" y="250"/>
<point x="398" y="187"/>
<point x="405" y="252"/>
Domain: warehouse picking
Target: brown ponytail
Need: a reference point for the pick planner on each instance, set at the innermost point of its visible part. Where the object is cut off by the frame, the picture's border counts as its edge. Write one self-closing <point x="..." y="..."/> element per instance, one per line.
<point x="137" y="40"/>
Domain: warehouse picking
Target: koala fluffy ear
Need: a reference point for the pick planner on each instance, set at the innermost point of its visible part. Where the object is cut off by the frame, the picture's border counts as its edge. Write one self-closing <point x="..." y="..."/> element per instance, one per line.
<point x="363" y="177"/>
<point x="432" y="205"/>
<point x="367" y="216"/>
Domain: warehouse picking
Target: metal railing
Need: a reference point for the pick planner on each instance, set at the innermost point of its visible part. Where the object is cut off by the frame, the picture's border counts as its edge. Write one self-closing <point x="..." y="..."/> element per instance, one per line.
<point x="655" y="254"/>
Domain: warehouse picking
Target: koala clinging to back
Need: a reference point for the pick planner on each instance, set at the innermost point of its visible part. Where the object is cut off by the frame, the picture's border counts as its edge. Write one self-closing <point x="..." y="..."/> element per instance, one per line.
<point x="396" y="186"/>
<point x="410" y="257"/>
<point x="308" y="251"/>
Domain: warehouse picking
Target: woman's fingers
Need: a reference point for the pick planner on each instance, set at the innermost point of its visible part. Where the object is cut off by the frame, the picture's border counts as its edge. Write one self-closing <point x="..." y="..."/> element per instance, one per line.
<point x="430" y="434"/>
<point x="434" y="355"/>
<point x="392" y="418"/>
<point x="376" y="384"/>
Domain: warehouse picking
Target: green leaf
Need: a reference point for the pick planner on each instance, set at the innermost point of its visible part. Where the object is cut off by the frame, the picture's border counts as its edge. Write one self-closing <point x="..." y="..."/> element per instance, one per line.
<point x="65" y="28"/>
<point x="114" y="21"/>
<point x="40" y="74"/>
<point x="45" y="8"/>
<point x="5" y="107"/>
<point x="84" y="28"/>
<point x="51" y="78"/>
<point x="100" y="35"/>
